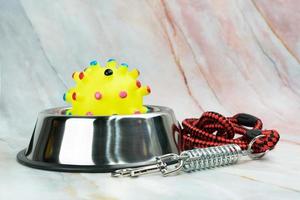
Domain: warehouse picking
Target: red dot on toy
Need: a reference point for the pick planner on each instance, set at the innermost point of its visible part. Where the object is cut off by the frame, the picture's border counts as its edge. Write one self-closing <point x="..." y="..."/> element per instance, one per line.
<point x="89" y="114"/>
<point x="138" y="84"/>
<point x="98" y="95"/>
<point x="81" y="75"/>
<point x="74" y="96"/>
<point x="137" y="112"/>
<point x="148" y="89"/>
<point x="123" y="94"/>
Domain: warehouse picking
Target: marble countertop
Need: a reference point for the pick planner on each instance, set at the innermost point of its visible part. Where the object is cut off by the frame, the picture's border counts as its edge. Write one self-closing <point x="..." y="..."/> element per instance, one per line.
<point x="227" y="56"/>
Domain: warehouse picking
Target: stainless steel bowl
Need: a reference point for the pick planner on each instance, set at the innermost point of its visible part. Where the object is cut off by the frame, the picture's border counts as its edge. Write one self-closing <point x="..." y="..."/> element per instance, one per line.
<point x="99" y="143"/>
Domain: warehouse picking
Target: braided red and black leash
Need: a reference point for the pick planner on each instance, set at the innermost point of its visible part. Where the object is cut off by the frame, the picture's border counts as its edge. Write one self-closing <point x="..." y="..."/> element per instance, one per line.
<point x="213" y="129"/>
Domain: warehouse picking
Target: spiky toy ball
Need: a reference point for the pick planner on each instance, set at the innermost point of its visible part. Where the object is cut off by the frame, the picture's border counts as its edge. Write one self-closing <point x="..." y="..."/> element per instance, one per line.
<point x="107" y="90"/>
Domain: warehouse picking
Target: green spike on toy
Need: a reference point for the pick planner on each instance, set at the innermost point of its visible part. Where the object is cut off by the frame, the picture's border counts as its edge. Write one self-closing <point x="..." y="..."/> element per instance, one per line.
<point x="68" y="112"/>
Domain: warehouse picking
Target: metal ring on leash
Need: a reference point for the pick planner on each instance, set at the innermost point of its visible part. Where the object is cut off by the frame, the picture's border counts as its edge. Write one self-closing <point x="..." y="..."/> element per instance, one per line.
<point x="252" y="155"/>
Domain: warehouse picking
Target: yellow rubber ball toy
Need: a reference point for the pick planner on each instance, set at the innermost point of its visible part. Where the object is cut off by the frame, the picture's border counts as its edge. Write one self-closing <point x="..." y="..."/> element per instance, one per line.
<point x="107" y="90"/>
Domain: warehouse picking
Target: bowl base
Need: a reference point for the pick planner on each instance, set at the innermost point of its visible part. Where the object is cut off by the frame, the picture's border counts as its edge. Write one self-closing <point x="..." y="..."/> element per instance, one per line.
<point x="22" y="159"/>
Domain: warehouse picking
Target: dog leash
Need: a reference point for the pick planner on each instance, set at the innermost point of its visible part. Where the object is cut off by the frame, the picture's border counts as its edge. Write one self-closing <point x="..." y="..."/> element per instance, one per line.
<point x="212" y="141"/>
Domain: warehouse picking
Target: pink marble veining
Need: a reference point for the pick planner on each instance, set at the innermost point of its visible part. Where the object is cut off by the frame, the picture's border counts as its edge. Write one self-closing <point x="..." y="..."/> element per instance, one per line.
<point x="283" y="17"/>
<point x="228" y="50"/>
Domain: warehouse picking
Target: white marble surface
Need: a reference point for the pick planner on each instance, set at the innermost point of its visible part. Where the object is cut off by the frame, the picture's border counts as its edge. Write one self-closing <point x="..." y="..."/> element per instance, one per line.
<point x="227" y="56"/>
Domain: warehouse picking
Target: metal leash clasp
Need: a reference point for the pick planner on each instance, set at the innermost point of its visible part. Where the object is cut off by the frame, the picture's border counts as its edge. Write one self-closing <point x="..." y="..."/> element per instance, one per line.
<point x="194" y="159"/>
<point x="249" y="151"/>
<point x="166" y="164"/>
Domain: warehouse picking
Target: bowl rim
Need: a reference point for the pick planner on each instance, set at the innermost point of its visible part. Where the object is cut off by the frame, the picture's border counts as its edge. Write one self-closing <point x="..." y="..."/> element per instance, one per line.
<point x="58" y="112"/>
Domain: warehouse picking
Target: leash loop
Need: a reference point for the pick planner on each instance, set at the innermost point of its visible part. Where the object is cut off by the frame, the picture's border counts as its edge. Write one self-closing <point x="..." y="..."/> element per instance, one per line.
<point x="213" y="129"/>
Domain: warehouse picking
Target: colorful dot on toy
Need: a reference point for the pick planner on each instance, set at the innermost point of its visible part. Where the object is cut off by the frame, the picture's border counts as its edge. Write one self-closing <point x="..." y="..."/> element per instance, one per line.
<point x="89" y="114"/>
<point x="124" y="64"/>
<point x="147" y="110"/>
<point x="148" y="89"/>
<point x="74" y="96"/>
<point x="111" y="59"/>
<point x="98" y="95"/>
<point x="138" y="84"/>
<point x="68" y="112"/>
<point x="81" y="75"/>
<point x="108" y="72"/>
<point x="64" y="97"/>
<point x="123" y="94"/>
<point x="93" y="63"/>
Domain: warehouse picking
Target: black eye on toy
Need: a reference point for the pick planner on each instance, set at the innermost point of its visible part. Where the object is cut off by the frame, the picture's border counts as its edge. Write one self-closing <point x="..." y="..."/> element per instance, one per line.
<point x="108" y="72"/>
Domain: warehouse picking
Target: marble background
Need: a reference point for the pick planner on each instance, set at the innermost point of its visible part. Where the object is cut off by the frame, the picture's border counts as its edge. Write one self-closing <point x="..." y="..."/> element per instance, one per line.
<point x="228" y="56"/>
